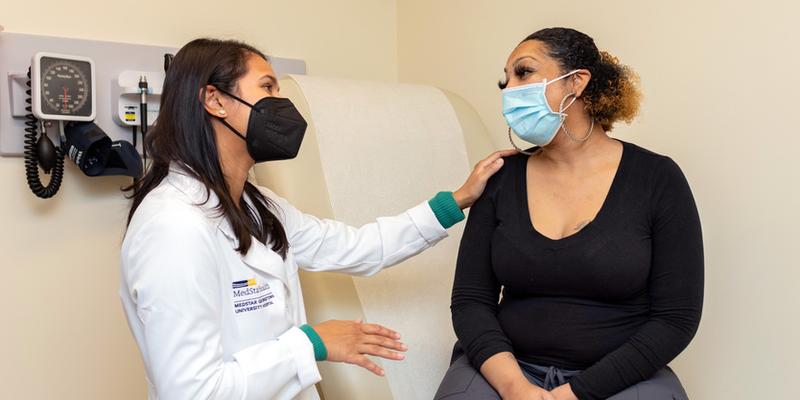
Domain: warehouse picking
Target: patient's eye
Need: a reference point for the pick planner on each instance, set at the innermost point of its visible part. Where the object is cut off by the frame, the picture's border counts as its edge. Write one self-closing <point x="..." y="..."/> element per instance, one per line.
<point x="502" y="83"/>
<point x="522" y="71"/>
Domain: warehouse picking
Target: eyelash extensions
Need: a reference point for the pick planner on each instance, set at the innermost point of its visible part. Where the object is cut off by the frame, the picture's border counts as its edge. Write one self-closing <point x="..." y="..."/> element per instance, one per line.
<point x="520" y="71"/>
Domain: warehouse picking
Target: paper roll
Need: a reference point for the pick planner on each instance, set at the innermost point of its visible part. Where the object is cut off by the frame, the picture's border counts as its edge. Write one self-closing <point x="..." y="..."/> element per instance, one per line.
<point x="384" y="148"/>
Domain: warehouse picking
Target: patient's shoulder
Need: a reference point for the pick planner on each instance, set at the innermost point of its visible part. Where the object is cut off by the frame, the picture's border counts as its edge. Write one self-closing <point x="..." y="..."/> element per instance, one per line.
<point x="502" y="179"/>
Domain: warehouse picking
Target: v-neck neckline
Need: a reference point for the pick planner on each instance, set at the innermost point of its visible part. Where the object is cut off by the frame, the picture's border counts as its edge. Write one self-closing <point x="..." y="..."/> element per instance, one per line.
<point x="608" y="203"/>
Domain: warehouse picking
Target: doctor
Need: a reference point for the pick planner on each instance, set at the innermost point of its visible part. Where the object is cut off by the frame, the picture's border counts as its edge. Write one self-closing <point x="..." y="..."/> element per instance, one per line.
<point x="209" y="279"/>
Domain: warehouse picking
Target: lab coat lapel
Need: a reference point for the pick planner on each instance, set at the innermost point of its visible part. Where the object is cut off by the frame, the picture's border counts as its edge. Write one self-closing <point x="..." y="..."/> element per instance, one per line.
<point x="258" y="256"/>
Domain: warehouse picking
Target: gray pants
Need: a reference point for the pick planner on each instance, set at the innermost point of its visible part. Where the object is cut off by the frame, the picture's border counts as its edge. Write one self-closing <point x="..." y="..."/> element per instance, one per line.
<point x="463" y="382"/>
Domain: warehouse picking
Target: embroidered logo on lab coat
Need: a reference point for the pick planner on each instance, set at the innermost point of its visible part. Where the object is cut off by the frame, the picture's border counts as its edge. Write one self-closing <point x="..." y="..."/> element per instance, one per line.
<point x="249" y="295"/>
<point x="245" y="283"/>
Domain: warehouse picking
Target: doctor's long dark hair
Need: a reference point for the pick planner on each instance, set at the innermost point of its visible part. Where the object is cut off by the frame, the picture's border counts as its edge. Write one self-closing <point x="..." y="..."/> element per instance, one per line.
<point x="183" y="135"/>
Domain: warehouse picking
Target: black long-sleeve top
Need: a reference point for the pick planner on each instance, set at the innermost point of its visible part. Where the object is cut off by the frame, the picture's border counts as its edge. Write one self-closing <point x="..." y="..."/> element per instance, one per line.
<point x="618" y="300"/>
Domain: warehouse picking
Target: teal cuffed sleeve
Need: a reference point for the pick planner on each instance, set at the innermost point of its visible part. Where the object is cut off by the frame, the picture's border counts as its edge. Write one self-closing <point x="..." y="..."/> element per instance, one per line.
<point x="320" y="352"/>
<point x="446" y="209"/>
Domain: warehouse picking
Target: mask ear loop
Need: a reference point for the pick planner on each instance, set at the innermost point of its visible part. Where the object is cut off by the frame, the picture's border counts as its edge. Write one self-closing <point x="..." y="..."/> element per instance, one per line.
<point x="561" y="107"/>
<point x="237" y="98"/>
<point x="227" y="125"/>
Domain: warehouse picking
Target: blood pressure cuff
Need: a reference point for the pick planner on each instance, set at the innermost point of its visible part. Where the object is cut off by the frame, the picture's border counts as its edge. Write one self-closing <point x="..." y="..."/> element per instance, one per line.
<point x="96" y="155"/>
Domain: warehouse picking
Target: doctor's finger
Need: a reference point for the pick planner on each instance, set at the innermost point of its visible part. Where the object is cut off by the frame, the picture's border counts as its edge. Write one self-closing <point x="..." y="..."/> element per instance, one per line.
<point x="488" y="167"/>
<point x="366" y="363"/>
<point x="507" y="152"/>
<point x="496" y="156"/>
<point x="375" y="329"/>
<point x="495" y="166"/>
<point x="385" y="342"/>
<point x="378" y="351"/>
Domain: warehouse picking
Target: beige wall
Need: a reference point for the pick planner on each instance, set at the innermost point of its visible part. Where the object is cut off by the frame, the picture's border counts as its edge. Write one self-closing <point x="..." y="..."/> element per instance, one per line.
<point x="64" y="335"/>
<point x="720" y="81"/>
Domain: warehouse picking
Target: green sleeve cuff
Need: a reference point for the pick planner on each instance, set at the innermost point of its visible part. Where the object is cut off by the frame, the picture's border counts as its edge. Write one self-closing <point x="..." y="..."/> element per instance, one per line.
<point x="320" y="352"/>
<point x="446" y="209"/>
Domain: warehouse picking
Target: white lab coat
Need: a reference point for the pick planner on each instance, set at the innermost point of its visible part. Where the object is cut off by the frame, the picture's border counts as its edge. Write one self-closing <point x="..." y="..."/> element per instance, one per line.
<point x="213" y="324"/>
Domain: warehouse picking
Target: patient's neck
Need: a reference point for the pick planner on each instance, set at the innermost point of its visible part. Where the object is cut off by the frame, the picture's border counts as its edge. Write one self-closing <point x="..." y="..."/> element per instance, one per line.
<point x="564" y="152"/>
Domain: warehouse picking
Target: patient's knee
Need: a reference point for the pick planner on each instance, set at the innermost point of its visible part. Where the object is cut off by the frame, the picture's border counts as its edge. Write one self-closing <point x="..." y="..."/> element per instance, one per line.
<point x="463" y="382"/>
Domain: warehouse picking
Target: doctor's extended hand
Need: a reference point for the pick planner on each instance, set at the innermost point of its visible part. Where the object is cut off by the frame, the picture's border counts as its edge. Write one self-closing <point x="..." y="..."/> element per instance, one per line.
<point x="351" y="341"/>
<point x="472" y="189"/>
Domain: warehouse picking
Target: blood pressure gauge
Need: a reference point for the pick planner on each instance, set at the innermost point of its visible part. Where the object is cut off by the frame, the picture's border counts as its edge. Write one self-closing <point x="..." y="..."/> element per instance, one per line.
<point x="63" y="87"/>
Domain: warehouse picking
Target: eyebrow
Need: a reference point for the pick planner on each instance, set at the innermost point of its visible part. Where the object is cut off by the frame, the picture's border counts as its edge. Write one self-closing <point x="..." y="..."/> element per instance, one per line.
<point x="503" y="83"/>
<point x="520" y="59"/>
<point x="270" y="78"/>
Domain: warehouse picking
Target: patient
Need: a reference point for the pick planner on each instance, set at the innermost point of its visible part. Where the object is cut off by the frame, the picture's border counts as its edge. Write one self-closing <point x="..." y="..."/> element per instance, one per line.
<point x="595" y="244"/>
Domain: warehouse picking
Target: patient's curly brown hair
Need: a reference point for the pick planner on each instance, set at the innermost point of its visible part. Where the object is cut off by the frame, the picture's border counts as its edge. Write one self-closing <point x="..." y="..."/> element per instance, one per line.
<point x="613" y="91"/>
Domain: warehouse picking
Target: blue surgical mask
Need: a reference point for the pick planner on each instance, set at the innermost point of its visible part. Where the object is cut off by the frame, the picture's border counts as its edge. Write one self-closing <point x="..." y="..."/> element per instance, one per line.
<point x="529" y="115"/>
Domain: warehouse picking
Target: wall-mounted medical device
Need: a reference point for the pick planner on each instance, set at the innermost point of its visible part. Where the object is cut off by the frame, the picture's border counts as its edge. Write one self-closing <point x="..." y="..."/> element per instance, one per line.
<point x="62" y="95"/>
<point x="126" y="97"/>
<point x="63" y="87"/>
<point x="89" y="100"/>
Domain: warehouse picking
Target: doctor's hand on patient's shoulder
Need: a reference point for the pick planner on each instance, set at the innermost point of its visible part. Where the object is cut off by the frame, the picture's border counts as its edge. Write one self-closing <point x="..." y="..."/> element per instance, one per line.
<point x="352" y="341"/>
<point x="473" y="188"/>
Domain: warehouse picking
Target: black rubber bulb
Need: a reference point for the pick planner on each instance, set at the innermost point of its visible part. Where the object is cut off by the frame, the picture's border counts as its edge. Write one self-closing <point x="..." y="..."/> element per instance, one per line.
<point x="47" y="153"/>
